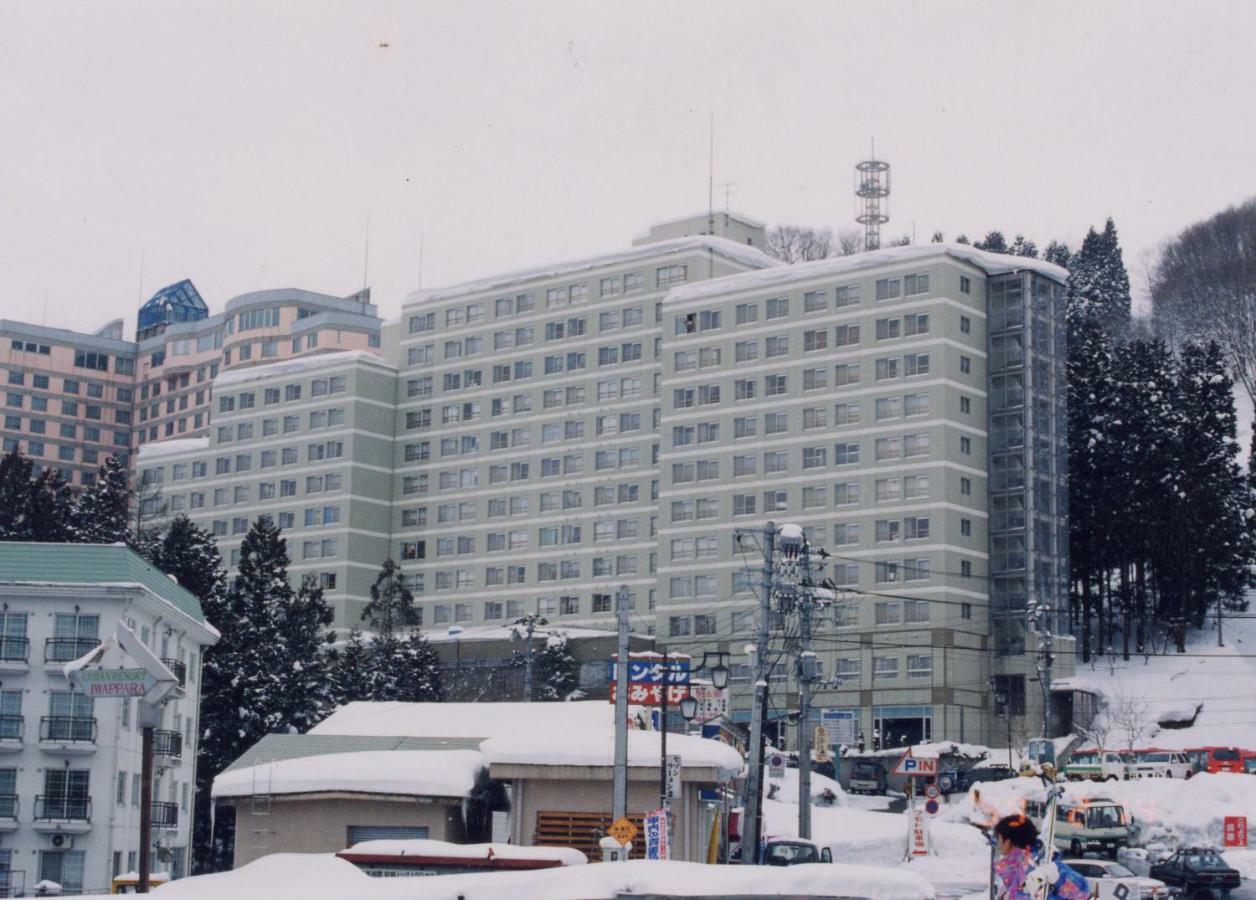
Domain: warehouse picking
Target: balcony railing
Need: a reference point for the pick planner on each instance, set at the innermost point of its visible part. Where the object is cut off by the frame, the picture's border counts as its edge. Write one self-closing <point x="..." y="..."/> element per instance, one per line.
<point x="68" y="729"/>
<point x="165" y="815"/>
<point x="68" y="809"/>
<point x="168" y="743"/>
<point x="61" y="650"/>
<point x="179" y="669"/>
<point x="8" y="806"/>
<point x="12" y="727"/>
<point x="15" y="649"/>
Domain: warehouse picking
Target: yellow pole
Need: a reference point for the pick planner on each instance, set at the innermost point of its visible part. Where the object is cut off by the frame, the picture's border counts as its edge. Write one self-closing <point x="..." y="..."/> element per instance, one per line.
<point x="713" y="844"/>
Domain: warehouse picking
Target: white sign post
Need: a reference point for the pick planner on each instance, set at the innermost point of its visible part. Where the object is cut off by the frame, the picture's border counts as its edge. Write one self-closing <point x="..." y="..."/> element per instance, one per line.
<point x="152" y="683"/>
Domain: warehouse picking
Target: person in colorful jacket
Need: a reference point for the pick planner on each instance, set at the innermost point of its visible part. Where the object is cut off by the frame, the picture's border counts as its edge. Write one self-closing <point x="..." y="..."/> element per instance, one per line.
<point x="1016" y="875"/>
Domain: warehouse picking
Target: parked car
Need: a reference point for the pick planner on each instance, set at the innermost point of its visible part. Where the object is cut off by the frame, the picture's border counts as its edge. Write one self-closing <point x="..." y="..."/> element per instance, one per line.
<point x="1199" y="871"/>
<point x="1161" y="764"/>
<point x="1099" y="765"/>
<point x="969" y="777"/>
<point x="794" y="852"/>
<point x="1216" y="759"/>
<point x="866" y="778"/>
<point x="1099" y="824"/>
<point x="1107" y="877"/>
<point x="1249" y="762"/>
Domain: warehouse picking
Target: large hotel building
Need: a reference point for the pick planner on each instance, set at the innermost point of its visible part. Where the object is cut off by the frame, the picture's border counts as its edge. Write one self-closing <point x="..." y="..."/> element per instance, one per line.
<point x="531" y="442"/>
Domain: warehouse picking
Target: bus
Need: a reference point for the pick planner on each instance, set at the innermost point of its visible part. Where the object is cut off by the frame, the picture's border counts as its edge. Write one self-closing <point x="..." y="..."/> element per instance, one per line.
<point x="1216" y="759"/>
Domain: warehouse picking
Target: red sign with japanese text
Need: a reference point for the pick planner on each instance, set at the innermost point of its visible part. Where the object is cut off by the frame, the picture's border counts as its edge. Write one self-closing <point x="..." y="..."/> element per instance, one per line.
<point x="644" y="694"/>
<point x="1236" y="831"/>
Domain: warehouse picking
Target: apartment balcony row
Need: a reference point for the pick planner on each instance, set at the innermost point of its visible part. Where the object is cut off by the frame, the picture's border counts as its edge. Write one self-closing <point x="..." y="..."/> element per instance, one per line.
<point x="77" y="735"/>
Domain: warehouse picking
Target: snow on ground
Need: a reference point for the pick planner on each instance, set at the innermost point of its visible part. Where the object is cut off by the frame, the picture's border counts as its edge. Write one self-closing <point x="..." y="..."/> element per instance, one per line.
<point x="1168" y="811"/>
<point x="429" y="773"/>
<point x="1219" y="680"/>
<point x="289" y="876"/>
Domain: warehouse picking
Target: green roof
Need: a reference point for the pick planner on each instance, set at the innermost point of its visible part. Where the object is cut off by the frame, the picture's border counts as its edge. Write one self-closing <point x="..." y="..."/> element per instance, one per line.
<point x="24" y="562"/>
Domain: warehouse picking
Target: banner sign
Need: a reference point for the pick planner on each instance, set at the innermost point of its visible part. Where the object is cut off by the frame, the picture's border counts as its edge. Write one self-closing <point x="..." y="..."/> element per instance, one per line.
<point x="917" y="834"/>
<point x="656" y="835"/>
<point x="672" y="768"/>
<point x="1236" y="831"/>
<point x="652" y="694"/>
<point x="650" y="671"/>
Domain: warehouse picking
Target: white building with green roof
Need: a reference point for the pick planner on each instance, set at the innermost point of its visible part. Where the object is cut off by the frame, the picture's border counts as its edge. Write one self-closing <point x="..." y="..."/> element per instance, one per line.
<point x="70" y="765"/>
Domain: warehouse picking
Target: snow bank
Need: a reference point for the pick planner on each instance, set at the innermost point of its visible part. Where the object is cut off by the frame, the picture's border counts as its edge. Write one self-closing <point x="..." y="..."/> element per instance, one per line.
<point x="573" y="748"/>
<point x="281" y="876"/>
<point x="567" y="856"/>
<point x="991" y="263"/>
<point x="731" y="250"/>
<point x="467" y="720"/>
<point x="497" y="633"/>
<point x="420" y="773"/>
<point x="300" y="365"/>
<point x="303" y="877"/>
<point x="1167" y="811"/>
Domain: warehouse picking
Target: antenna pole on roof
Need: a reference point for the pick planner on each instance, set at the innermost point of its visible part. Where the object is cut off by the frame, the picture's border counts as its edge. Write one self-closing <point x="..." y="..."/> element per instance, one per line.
<point x="366" y="251"/>
<point x="711" y="179"/>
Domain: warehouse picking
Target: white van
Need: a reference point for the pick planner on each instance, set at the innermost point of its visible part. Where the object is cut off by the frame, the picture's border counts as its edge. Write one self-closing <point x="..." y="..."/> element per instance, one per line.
<point x="1097" y="823"/>
<point x="1099" y="765"/>
<point x="1161" y="764"/>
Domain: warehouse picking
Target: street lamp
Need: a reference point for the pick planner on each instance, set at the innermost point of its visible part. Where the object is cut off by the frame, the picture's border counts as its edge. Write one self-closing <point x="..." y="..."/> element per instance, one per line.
<point x="719" y="671"/>
<point x="689" y="708"/>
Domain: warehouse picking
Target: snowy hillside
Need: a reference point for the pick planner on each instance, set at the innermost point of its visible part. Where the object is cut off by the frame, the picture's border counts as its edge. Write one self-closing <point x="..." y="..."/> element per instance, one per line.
<point x="1219" y="682"/>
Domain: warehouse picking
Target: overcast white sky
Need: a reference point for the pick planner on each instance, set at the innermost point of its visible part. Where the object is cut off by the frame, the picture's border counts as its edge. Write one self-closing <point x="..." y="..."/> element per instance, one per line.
<point x="245" y="144"/>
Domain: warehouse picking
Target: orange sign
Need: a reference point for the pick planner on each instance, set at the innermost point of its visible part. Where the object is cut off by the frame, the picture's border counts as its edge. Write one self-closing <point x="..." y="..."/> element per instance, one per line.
<point x="623" y="831"/>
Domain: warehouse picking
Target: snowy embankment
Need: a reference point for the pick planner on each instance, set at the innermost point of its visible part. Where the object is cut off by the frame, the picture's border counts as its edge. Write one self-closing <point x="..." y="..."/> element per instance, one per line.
<point x="290" y="876"/>
<point x="1167" y="811"/>
<point x="857" y="833"/>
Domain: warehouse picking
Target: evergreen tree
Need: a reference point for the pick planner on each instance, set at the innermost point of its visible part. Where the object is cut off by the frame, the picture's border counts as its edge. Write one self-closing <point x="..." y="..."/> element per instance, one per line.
<point x="15" y="496"/>
<point x="267" y="673"/>
<point x="554" y="670"/>
<point x="962" y="239"/>
<point x="351" y="665"/>
<point x="1022" y="247"/>
<point x="189" y="553"/>
<point x="1099" y="286"/>
<point x="391" y="608"/>
<point x="1057" y="253"/>
<point x="103" y="509"/>
<point x="51" y="512"/>
<point x="937" y="238"/>
<point x="400" y="664"/>
<point x="994" y="242"/>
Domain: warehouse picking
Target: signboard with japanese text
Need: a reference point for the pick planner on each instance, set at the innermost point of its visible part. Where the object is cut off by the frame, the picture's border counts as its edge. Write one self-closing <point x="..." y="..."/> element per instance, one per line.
<point x="917" y="833"/>
<point x="841" y="724"/>
<point x="652" y="694"/>
<point x="712" y="702"/>
<point x="623" y="831"/>
<point x="1235" y="831"/>
<point x="650" y="670"/>
<point x="672" y="769"/>
<point x="656" y="835"/>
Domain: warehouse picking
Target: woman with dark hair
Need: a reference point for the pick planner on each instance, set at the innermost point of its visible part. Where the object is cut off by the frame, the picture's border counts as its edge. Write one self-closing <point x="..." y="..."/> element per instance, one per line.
<point x="1015" y="836"/>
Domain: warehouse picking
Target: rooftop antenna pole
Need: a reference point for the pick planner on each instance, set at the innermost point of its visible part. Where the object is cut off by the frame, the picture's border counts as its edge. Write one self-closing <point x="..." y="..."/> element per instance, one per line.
<point x="872" y="187"/>
<point x="711" y="180"/>
<point x="366" y="251"/>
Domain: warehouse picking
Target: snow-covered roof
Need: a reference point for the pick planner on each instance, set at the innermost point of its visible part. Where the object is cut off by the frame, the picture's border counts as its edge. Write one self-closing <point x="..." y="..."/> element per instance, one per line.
<point x="418" y="773"/>
<point x="300" y="365"/>
<point x="175" y="447"/>
<point x="466" y="720"/>
<point x="728" y="249"/>
<point x="990" y="263"/>
<point x="543" y="747"/>
<point x="500" y="633"/>
<point x="566" y="856"/>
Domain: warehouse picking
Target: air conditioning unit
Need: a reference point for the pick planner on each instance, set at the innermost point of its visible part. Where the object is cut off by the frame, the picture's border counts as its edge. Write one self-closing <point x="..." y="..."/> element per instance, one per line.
<point x="62" y="841"/>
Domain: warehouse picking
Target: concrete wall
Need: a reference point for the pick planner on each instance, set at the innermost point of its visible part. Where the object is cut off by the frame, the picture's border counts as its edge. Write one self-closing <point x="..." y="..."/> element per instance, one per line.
<point x="320" y="824"/>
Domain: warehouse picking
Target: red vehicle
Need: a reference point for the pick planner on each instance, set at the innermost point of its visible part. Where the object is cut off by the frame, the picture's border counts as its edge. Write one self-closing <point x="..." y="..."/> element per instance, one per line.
<point x="1216" y="759"/>
<point x="1249" y="762"/>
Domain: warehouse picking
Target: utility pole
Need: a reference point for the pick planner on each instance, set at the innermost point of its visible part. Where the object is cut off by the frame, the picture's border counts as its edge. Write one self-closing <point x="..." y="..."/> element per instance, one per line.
<point x="530" y="622"/>
<point x="665" y="801"/>
<point x="806" y="675"/>
<point x="754" y="793"/>
<point x="619" y="801"/>
<point x="146" y="716"/>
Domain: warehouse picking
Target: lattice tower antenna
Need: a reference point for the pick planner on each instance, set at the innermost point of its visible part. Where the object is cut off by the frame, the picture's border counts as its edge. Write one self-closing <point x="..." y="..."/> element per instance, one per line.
<point x="872" y="187"/>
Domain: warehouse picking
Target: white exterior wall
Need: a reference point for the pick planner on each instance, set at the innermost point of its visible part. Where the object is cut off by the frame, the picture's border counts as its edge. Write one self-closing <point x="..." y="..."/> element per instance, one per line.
<point x="114" y="827"/>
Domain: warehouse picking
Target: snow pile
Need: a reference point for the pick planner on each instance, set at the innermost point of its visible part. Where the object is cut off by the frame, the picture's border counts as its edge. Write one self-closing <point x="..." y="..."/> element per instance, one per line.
<point x="785" y="789"/>
<point x="1141" y="693"/>
<point x="419" y="773"/>
<point x="571" y="748"/>
<point x="306" y="877"/>
<point x="1167" y="811"/>
<point x="566" y="856"/>
<point x="497" y="633"/>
